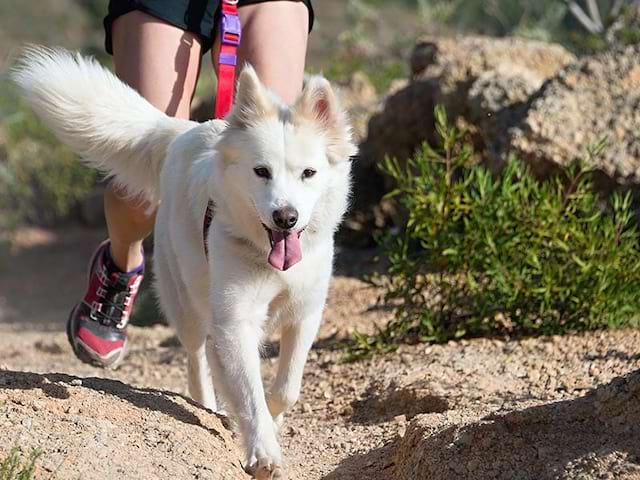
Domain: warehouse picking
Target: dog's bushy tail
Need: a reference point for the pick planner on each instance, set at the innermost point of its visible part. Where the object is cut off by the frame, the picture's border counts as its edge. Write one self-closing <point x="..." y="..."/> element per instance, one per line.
<point x="105" y="121"/>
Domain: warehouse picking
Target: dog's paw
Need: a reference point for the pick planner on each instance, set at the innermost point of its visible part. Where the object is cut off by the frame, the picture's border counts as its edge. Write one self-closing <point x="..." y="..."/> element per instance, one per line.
<point x="265" y="459"/>
<point x="266" y="471"/>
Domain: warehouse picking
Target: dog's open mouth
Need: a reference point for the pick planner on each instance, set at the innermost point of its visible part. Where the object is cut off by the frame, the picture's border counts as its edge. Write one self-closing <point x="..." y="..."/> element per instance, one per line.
<point x="285" y="248"/>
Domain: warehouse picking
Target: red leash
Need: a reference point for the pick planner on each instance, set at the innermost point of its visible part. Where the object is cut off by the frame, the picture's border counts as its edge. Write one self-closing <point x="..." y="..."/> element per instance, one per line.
<point x="230" y="33"/>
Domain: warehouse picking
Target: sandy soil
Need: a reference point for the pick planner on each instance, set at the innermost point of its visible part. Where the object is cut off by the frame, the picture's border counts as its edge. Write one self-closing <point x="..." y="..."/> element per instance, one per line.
<point x="489" y="408"/>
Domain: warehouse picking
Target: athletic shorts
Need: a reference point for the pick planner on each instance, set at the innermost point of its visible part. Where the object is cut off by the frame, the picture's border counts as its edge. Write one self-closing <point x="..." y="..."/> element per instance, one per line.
<point x="201" y="17"/>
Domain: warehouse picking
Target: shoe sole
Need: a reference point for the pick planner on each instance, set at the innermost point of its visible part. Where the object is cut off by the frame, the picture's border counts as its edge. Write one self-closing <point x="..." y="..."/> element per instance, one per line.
<point x="85" y="355"/>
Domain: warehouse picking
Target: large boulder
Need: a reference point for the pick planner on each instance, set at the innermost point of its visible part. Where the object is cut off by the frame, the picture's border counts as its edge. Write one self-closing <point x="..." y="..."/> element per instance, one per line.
<point x="482" y="82"/>
<point x="474" y="78"/>
<point x="588" y="100"/>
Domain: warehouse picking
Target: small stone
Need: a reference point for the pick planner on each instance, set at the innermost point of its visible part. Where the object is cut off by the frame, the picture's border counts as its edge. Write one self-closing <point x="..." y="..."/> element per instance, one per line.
<point x="306" y="408"/>
<point x="582" y="384"/>
<point x="26" y="423"/>
<point x="534" y="375"/>
<point x="347" y="411"/>
<point x="400" y="419"/>
<point x="76" y="382"/>
<point x="406" y="359"/>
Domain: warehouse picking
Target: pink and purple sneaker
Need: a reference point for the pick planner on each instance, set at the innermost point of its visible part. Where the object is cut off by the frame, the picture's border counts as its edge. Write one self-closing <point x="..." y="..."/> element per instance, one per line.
<point x="97" y="326"/>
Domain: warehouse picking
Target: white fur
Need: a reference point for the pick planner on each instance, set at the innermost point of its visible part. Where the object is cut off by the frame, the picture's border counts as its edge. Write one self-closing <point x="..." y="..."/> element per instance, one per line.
<point x="220" y="306"/>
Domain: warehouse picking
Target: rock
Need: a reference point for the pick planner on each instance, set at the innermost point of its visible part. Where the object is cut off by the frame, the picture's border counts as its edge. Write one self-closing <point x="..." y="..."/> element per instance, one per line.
<point x="482" y="82"/>
<point x="582" y="438"/>
<point x="588" y="100"/>
<point x="347" y="411"/>
<point x="445" y="71"/>
<point x="400" y="419"/>
<point x="423" y="55"/>
<point x="147" y="433"/>
<point x="495" y="101"/>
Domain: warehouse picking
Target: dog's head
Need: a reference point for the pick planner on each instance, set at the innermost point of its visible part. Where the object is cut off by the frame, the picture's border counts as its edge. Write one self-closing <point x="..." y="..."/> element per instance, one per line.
<point x="286" y="168"/>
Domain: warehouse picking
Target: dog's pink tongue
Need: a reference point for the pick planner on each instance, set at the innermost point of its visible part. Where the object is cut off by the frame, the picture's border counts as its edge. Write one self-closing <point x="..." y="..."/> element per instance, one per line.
<point x="285" y="251"/>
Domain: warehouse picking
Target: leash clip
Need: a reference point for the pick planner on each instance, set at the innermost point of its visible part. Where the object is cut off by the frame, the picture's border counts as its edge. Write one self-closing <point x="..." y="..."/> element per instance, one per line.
<point x="231" y="31"/>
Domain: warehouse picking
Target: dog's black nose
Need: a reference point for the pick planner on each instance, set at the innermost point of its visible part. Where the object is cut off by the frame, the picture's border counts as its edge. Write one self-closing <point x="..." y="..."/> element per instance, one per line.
<point x="285" y="217"/>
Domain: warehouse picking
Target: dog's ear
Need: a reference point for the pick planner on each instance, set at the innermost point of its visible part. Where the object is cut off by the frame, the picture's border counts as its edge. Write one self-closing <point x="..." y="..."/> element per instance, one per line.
<point x="318" y="103"/>
<point x="252" y="101"/>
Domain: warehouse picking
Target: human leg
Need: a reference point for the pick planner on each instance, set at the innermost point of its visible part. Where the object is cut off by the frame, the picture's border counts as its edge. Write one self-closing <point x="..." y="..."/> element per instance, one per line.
<point x="266" y="27"/>
<point x="161" y="62"/>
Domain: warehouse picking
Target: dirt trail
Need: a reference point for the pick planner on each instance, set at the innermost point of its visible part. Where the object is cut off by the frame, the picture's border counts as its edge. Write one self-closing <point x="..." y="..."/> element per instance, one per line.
<point x="476" y="409"/>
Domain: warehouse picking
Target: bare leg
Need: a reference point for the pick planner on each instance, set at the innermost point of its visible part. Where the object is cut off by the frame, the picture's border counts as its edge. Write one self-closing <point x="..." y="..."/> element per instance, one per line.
<point x="266" y="27"/>
<point x="161" y="62"/>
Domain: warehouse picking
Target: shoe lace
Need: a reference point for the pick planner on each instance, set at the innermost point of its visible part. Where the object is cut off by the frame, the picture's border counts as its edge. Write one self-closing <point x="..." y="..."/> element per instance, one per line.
<point x="115" y="296"/>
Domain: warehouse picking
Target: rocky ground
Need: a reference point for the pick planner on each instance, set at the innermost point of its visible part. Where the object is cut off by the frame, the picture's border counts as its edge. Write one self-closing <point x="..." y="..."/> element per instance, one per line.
<point x="489" y="408"/>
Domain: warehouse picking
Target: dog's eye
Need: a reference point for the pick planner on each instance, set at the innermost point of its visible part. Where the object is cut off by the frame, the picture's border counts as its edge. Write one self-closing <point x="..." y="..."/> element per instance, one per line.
<point x="262" y="172"/>
<point x="308" y="173"/>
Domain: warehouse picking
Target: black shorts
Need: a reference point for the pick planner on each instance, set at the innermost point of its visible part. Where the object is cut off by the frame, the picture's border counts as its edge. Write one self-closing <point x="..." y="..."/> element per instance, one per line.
<point x="198" y="16"/>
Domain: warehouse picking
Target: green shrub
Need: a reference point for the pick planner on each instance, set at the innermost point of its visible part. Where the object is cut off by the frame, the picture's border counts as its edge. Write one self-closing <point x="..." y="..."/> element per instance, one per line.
<point x="510" y="254"/>
<point x="40" y="179"/>
<point x="14" y="468"/>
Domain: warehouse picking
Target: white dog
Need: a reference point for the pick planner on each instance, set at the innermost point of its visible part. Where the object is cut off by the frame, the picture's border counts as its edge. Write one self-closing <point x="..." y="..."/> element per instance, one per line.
<point x="279" y="177"/>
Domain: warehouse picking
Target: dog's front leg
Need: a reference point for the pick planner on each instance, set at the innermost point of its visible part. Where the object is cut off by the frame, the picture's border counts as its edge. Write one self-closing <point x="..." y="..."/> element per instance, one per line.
<point x="300" y="322"/>
<point x="233" y="352"/>
<point x="295" y="343"/>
